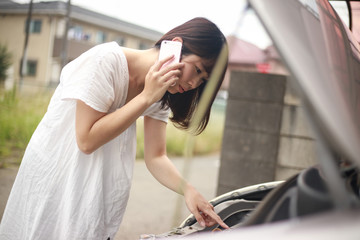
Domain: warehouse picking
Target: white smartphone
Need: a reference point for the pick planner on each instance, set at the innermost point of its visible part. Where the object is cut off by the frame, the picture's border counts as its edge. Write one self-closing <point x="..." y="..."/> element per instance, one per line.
<point x="168" y="48"/>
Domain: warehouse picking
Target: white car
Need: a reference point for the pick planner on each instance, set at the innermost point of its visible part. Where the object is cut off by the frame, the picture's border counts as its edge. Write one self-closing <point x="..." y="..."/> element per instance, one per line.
<point x="321" y="202"/>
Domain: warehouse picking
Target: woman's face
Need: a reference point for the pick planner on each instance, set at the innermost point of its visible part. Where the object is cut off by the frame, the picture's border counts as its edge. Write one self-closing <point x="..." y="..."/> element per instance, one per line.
<point x="192" y="75"/>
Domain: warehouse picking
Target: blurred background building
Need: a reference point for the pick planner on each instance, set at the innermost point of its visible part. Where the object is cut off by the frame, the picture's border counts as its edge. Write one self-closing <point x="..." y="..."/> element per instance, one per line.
<point x="59" y="33"/>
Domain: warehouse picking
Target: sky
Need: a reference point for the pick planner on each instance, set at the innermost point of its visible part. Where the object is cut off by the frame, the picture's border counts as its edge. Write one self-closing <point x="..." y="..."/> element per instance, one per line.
<point x="163" y="15"/>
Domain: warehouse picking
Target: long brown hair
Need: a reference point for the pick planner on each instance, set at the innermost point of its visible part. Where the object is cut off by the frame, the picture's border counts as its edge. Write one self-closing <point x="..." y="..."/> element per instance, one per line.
<point x="204" y="39"/>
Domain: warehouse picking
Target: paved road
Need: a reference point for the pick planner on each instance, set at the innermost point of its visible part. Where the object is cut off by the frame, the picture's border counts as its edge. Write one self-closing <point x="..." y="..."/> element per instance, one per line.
<point x="152" y="207"/>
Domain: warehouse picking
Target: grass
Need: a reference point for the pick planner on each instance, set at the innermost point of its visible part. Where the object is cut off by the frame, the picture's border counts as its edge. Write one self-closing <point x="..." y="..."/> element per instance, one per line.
<point x="208" y="142"/>
<point x="20" y="115"/>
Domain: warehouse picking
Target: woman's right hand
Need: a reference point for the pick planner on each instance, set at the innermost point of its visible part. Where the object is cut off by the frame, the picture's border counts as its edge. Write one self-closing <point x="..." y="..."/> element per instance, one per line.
<point x="159" y="79"/>
<point x="202" y="210"/>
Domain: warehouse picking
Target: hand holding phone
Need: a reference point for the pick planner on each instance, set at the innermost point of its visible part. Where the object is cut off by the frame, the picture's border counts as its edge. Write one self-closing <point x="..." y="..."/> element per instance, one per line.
<point x="168" y="48"/>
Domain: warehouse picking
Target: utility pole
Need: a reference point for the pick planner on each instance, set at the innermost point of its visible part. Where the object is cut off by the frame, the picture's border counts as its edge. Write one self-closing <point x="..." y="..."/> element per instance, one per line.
<point x="64" y="55"/>
<point x="24" y="56"/>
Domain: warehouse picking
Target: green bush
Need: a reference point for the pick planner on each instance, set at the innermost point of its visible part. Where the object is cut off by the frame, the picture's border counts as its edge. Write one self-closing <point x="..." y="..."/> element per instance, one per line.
<point x="20" y="115"/>
<point x="208" y="142"/>
<point x="5" y="62"/>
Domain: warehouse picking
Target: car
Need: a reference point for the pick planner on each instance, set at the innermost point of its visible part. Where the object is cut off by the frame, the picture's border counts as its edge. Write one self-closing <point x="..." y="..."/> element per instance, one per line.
<point x="322" y="201"/>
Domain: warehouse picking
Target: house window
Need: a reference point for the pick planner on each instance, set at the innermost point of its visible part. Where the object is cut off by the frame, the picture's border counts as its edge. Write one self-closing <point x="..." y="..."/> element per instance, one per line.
<point x="35" y="26"/>
<point x="75" y="32"/>
<point x="86" y="37"/>
<point x="100" y="37"/>
<point x="143" y="46"/>
<point x="121" y="41"/>
<point x="31" y="67"/>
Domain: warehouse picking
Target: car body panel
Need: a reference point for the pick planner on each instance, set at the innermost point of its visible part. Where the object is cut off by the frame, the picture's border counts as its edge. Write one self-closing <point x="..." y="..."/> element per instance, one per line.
<point x="323" y="58"/>
<point x="325" y="226"/>
<point x="312" y="43"/>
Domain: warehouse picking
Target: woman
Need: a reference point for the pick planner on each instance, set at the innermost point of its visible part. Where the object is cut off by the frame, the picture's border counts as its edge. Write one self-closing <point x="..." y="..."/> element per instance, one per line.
<point x="75" y="176"/>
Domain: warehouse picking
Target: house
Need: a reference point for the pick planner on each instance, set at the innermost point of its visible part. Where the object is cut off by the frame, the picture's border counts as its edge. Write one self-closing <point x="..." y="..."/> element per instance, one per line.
<point x="48" y="52"/>
<point x="46" y="49"/>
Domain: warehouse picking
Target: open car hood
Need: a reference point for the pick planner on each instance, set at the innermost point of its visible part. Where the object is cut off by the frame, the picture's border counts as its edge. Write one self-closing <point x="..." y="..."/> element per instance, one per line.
<point x="324" y="65"/>
<point x="323" y="59"/>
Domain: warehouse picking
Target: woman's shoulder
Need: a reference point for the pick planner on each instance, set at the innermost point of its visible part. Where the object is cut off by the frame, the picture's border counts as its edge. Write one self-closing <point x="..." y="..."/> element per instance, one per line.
<point x="107" y="46"/>
<point x="110" y="48"/>
<point x="105" y="54"/>
<point x="109" y="54"/>
<point x="107" y="50"/>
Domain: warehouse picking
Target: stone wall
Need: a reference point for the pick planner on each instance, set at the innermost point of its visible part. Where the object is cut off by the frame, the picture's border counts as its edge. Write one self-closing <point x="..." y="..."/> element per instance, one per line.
<point x="266" y="137"/>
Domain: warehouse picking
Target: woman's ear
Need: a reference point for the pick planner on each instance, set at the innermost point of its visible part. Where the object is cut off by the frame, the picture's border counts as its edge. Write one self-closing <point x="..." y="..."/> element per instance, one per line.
<point x="177" y="39"/>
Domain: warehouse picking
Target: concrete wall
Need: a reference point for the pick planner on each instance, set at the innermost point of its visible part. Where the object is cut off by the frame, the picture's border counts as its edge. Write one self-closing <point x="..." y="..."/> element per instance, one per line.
<point x="296" y="147"/>
<point x="265" y="136"/>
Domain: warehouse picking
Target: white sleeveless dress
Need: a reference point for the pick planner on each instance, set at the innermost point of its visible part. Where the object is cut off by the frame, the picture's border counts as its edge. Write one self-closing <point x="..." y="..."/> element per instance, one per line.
<point x="60" y="192"/>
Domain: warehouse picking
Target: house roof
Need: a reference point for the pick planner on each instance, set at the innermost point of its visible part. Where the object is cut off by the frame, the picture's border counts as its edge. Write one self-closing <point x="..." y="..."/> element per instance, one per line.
<point x="242" y="52"/>
<point x="81" y="14"/>
<point x="271" y="52"/>
<point x="7" y="2"/>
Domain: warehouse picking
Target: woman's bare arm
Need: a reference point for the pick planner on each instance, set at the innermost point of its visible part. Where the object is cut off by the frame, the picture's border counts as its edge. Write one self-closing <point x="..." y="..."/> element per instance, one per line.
<point x="94" y="128"/>
<point x="166" y="173"/>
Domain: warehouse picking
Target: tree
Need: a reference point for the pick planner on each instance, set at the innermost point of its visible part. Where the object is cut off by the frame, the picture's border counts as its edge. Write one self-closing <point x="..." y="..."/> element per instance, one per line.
<point x="5" y="62"/>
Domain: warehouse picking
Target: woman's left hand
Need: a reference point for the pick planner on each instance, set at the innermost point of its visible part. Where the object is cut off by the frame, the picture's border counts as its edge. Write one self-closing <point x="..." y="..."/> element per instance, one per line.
<point x="202" y="209"/>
